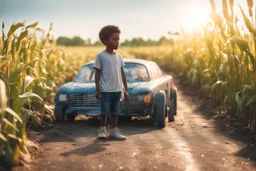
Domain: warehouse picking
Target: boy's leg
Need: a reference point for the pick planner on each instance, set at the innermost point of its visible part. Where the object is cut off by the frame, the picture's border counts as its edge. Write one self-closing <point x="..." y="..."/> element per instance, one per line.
<point x="114" y="108"/>
<point x="103" y="120"/>
<point x="114" y="121"/>
<point x="105" y="108"/>
<point x="114" y="131"/>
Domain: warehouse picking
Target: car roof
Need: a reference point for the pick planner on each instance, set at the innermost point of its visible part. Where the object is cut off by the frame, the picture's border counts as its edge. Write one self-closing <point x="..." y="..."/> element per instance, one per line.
<point x="140" y="61"/>
<point x="133" y="60"/>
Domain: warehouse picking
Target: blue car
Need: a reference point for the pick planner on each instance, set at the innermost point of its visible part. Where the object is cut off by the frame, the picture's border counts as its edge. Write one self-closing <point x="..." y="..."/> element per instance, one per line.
<point x="151" y="93"/>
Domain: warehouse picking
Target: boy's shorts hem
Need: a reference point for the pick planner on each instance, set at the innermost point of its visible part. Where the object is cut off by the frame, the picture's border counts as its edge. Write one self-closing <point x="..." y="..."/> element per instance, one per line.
<point x="110" y="103"/>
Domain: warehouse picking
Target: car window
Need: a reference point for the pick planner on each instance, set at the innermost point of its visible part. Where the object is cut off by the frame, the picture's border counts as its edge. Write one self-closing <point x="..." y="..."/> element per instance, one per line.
<point x="158" y="71"/>
<point x="155" y="71"/>
<point x="136" y="72"/>
<point x="152" y="72"/>
<point x="86" y="74"/>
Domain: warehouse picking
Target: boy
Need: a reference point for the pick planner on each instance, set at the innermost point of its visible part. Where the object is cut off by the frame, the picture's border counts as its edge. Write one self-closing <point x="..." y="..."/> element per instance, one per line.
<point x="109" y="80"/>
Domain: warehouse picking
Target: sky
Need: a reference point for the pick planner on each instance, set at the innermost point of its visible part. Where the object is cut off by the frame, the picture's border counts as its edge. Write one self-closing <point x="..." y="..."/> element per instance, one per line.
<point x="136" y="18"/>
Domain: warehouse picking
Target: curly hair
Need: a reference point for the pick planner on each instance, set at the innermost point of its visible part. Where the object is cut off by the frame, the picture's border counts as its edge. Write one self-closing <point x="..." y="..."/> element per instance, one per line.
<point x="106" y="32"/>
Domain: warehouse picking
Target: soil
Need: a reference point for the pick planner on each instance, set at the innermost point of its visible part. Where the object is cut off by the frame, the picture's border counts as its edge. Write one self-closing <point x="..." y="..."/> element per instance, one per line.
<point x="202" y="137"/>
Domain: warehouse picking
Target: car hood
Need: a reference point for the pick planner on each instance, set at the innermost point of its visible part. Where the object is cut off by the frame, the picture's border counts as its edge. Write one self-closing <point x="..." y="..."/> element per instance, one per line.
<point x="76" y="88"/>
<point x="133" y="85"/>
<point x="137" y="87"/>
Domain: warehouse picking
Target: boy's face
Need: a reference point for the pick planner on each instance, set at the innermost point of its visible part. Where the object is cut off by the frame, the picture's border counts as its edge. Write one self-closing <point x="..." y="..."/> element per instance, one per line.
<point x="113" y="41"/>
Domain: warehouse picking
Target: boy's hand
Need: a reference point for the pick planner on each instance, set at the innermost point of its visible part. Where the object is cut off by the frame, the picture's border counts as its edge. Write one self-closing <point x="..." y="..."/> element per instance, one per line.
<point x="126" y="95"/>
<point x="98" y="94"/>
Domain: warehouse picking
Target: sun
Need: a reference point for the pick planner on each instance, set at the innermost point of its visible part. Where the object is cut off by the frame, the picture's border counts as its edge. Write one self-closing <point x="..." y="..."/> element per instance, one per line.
<point x="194" y="18"/>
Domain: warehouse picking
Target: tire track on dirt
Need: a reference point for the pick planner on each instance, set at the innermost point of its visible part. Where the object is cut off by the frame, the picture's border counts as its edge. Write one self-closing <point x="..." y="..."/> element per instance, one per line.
<point x="211" y="149"/>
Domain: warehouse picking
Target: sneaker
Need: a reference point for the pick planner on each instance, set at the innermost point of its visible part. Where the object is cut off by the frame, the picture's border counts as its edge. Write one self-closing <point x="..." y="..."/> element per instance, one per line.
<point x="102" y="132"/>
<point x="115" y="133"/>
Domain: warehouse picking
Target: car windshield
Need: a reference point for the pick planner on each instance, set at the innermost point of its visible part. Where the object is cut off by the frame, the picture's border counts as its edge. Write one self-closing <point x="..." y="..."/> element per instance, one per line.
<point x="134" y="73"/>
<point x="86" y="74"/>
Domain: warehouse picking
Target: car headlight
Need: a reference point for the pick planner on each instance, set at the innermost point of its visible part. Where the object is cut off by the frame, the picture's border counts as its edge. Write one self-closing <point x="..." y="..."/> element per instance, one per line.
<point x="145" y="97"/>
<point x="63" y="97"/>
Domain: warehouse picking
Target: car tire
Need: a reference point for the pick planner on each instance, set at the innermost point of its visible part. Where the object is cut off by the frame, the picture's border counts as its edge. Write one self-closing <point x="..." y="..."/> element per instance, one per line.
<point x="70" y="117"/>
<point x="160" y="108"/>
<point x="174" y="97"/>
<point x="171" y="111"/>
<point x="59" y="112"/>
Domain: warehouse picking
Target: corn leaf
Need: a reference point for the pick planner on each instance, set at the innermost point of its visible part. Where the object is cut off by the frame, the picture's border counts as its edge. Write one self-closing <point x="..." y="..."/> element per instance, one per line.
<point x="32" y="63"/>
<point x="25" y="156"/>
<point x="16" y="74"/>
<point x="2" y="137"/>
<point x="195" y="77"/>
<point x="3" y="97"/>
<point x="15" y="137"/>
<point x="10" y="124"/>
<point x="31" y="144"/>
<point x="28" y="95"/>
<point x="14" y="27"/>
<point x="225" y="9"/>
<point x="242" y="44"/>
<point x="251" y="100"/>
<point x="3" y="35"/>
<point x="224" y="56"/>
<point x="14" y="114"/>
<point x="239" y="99"/>
<point x="18" y="103"/>
<point x="3" y="64"/>
<point x="217" y="83"/>
<point x="28" y="80"/>
<point x="252" y="58"/>
<point x="44" y="71"/>
<point x="207" y="70"/>
<point x="22" y="35"/>
<point x="32" y="25"/>
<point x="246" y="20"/>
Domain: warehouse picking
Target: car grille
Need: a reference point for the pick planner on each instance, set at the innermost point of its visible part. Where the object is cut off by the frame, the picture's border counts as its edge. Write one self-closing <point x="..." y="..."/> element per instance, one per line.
<point x="84" y="100"/>
<point x="132" y="98"/>
<point x="89" y="100"/>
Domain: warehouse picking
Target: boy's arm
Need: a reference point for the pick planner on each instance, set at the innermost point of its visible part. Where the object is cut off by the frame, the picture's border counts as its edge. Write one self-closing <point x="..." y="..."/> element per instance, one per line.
<point x="125" y="83"/>
<point x="97" y="83"/>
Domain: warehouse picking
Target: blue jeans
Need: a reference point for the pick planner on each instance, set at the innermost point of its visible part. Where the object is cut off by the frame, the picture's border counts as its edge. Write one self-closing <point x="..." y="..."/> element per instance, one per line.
<point x="109" y="103"/>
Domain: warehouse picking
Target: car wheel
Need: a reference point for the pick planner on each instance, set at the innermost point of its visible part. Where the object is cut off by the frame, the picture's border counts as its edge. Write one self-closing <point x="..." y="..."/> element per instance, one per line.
<point x="59" y="112"/>
<point x="70" y="117"/>
<point x="171" y="111"/>
<point x="174" y="97"/>
<point x="160" y="108"/>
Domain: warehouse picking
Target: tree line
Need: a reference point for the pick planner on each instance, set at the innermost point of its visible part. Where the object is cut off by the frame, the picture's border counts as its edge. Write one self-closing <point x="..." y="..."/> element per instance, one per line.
<point x="78" y="41"/>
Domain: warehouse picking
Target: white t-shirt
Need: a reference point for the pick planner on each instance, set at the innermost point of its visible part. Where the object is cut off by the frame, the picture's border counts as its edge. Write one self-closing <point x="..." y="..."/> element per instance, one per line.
<point x="110" y="75"/>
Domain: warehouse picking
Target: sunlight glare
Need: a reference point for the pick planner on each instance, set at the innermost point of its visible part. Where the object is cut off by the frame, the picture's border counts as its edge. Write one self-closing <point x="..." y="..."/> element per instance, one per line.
<point x="194" y="18"/>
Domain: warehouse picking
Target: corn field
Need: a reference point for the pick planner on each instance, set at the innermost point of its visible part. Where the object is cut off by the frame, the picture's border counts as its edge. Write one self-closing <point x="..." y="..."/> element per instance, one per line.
<point x="31" y="68"/>
<point x="219" y="58"/>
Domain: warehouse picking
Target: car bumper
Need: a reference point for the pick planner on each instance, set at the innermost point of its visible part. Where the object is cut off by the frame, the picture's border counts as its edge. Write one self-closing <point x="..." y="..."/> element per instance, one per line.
<point x="123" y="111"/>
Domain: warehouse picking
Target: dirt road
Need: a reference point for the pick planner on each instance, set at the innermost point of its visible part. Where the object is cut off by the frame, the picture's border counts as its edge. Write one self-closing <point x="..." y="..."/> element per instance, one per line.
<point x="194" y="141"/>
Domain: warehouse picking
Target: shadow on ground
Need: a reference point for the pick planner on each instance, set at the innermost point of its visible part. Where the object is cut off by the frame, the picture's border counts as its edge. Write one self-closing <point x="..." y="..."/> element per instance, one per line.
<point x="86" y="127"/>
<point x="95" y="147"/>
